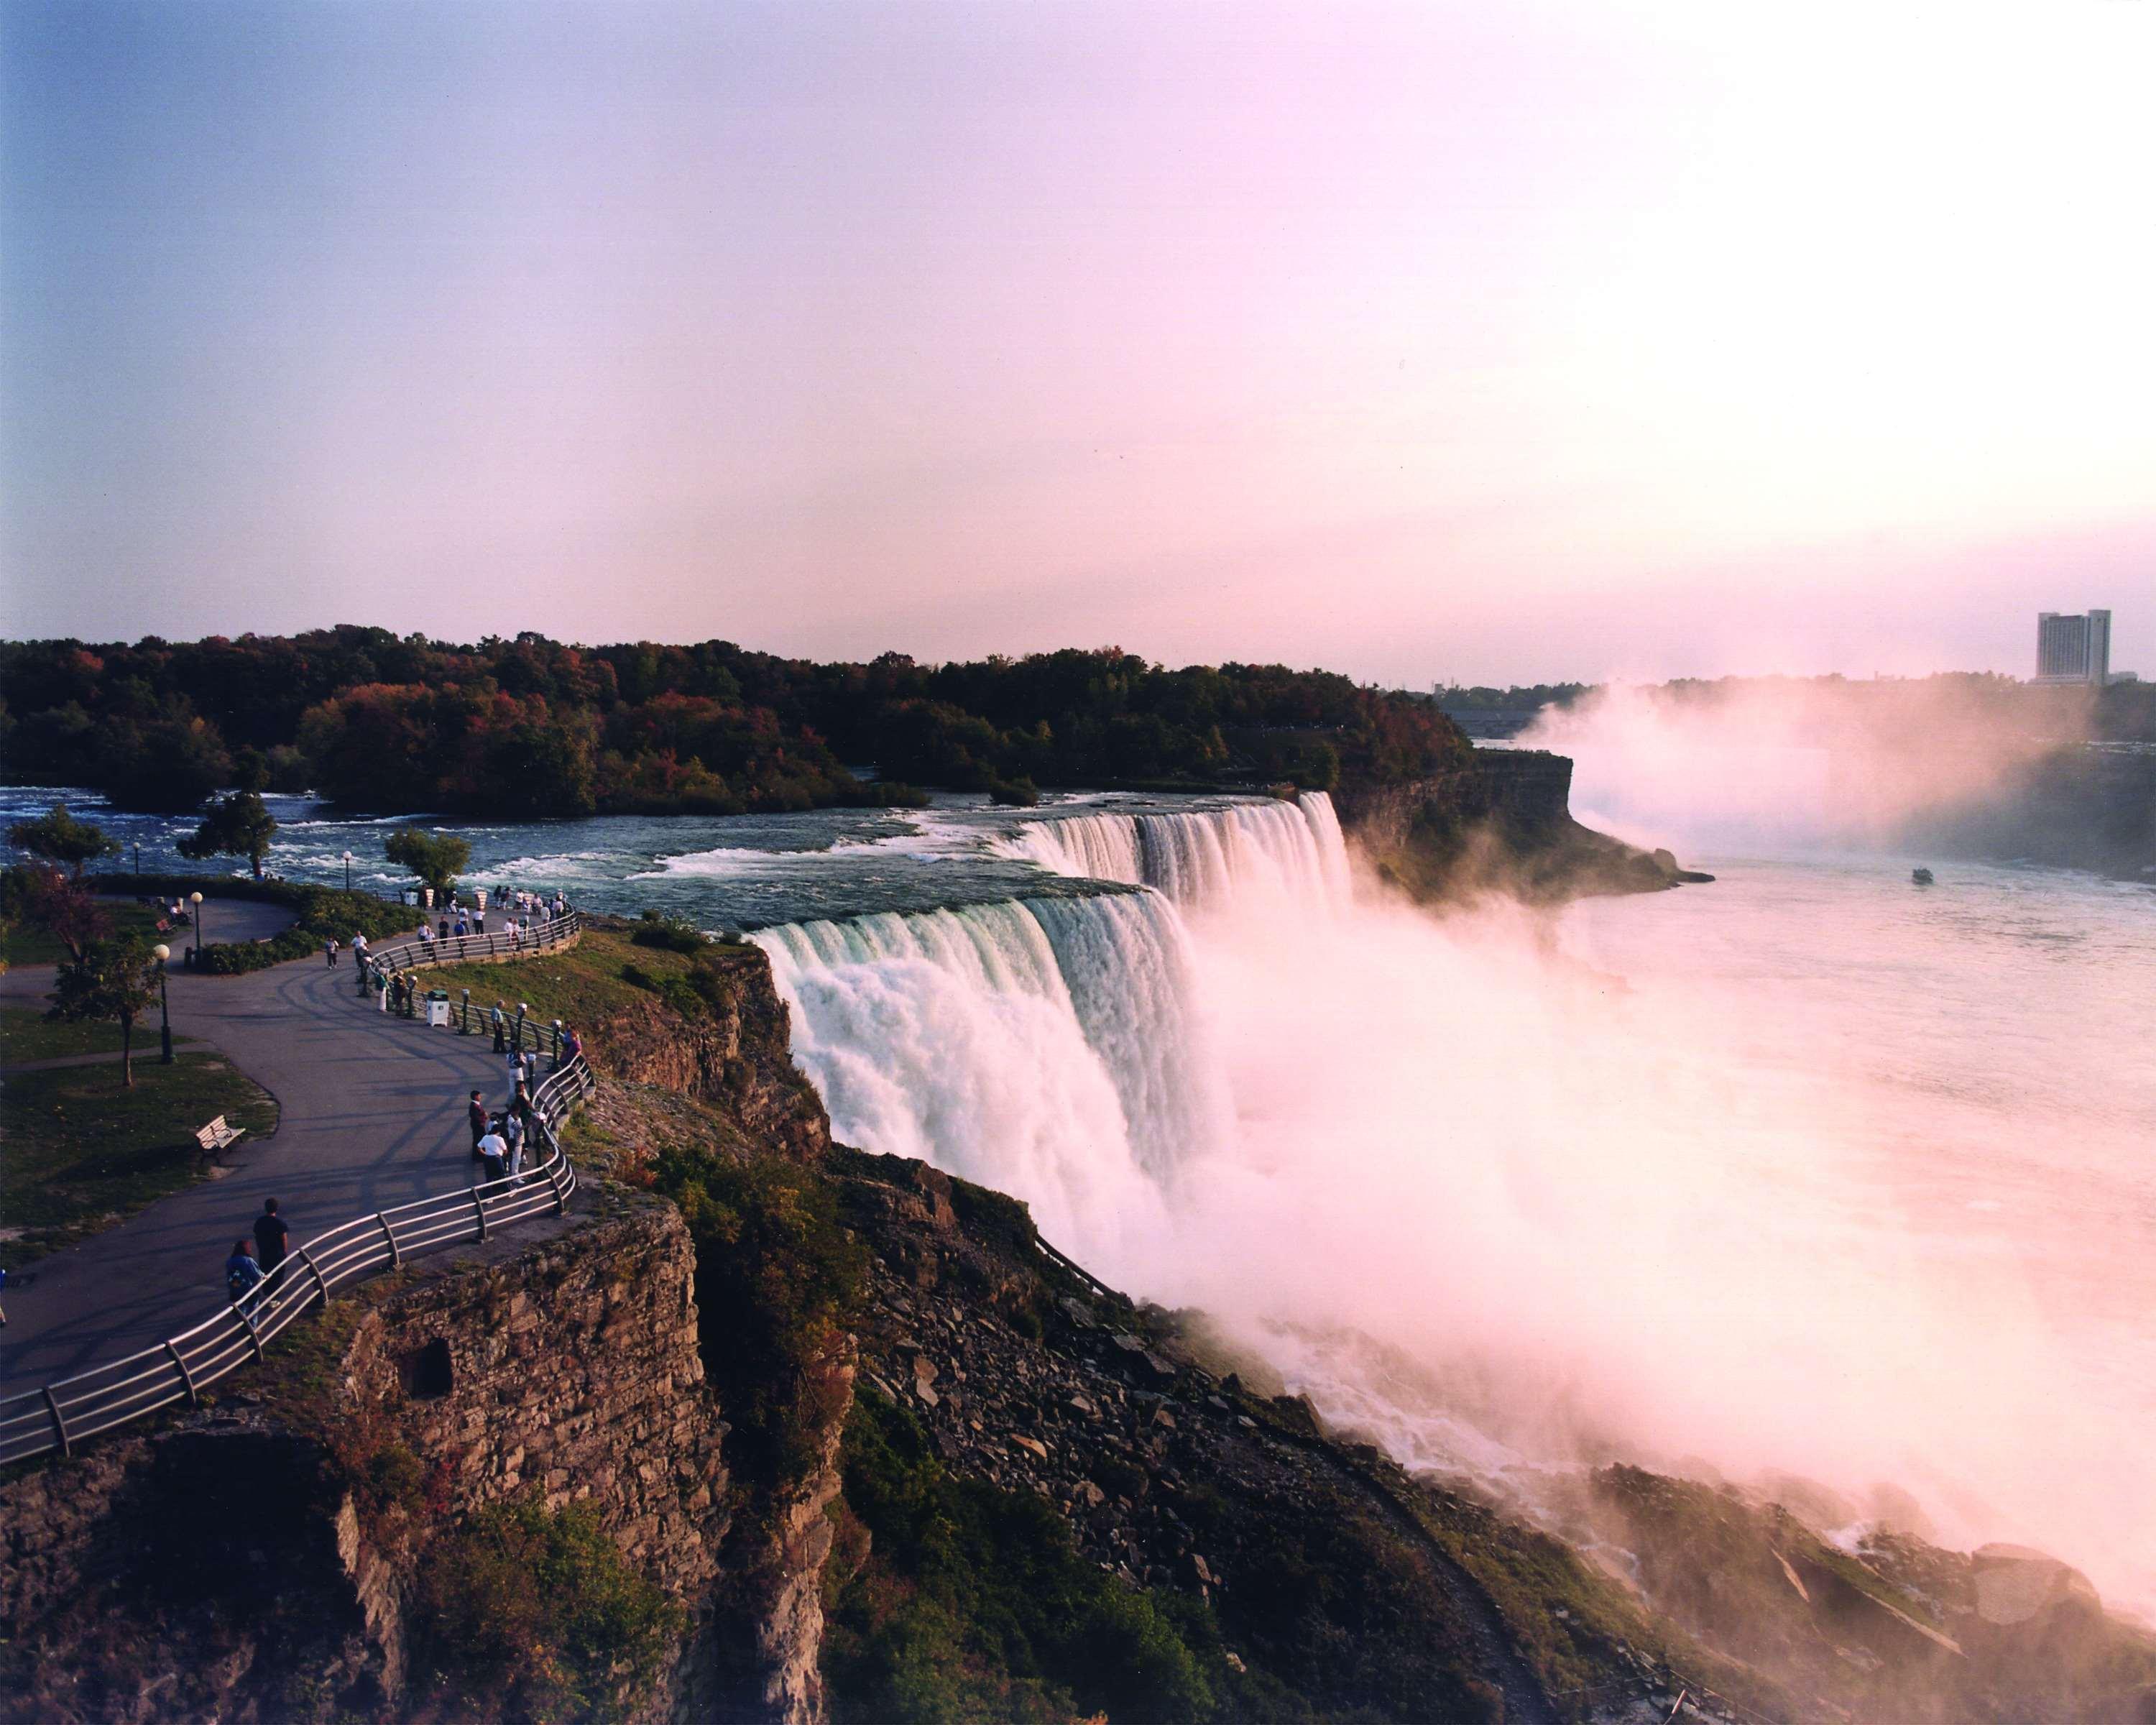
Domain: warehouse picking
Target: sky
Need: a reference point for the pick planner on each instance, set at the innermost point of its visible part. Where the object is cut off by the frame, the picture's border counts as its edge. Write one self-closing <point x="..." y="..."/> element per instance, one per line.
<point x="1478" y="342"/>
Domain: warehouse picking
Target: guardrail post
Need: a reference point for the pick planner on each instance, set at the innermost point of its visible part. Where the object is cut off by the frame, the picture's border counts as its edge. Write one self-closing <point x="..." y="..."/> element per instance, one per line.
<point x="186" y="1377"/>
<point x="322" y="1286"/>
<point x="554" y="1185"/>
<point x="253" y="1334"/>
<point x="479" y="1203"/>
<point x="389" y="1233"/>
<point x="60" y="1422"/>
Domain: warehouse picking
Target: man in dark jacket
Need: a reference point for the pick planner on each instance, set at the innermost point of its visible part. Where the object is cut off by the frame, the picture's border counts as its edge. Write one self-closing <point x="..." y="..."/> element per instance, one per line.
<point x="477" y="1114"/>
<point x="270" y="1235"/>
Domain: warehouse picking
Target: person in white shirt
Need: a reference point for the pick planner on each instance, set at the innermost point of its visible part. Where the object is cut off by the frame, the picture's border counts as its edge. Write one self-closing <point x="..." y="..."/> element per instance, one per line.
<point x="494" y="1154"/>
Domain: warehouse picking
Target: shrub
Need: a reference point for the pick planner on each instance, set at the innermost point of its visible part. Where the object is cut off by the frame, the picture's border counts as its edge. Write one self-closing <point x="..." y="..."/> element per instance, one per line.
<point x="669" y="934"/>
<point x="535" y="1614"/>
<point x="323" y="913"/>
<point x="975" y="1605"/>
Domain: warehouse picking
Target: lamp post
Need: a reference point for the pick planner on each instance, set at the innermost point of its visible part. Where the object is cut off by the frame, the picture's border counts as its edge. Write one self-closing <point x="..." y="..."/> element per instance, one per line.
<point x="521" y="1008"/>
<point x="161" y="952"/>
<point x="347" y="871"/>
<point x="195" y="899"/>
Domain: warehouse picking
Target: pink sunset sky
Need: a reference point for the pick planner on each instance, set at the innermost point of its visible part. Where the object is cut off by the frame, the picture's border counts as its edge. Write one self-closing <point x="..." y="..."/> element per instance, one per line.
<point x="1477" y="342"/>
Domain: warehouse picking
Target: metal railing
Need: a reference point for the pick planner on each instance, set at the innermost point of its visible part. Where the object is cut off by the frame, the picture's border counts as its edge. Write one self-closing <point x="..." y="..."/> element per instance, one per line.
<point x="417" y="955"/>
<point x="65" y="1414"/>
<point x="390" y="965"/>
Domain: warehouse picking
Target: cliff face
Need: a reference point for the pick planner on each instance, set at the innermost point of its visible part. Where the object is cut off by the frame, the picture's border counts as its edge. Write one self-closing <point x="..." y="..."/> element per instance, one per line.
<point x="255" y="1561"/>
<point x="1502" y="823"/>
<point x="731" y="1049"/>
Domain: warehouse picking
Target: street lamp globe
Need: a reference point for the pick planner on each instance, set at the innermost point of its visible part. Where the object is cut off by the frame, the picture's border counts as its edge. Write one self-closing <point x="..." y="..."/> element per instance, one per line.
<point x="160" y="952"/>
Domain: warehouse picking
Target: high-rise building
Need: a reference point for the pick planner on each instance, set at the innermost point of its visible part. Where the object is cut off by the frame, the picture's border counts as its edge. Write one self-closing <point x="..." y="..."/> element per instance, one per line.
<point x="2073" y="649"/>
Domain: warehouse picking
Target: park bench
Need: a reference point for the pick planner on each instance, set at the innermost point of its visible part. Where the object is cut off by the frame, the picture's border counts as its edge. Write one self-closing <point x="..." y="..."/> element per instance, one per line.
<point x="218" y="1138"/>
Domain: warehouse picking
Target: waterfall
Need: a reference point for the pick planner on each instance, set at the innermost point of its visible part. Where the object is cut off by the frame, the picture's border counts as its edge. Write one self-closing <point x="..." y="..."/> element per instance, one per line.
<point x="1053" y="1048"/>
<point x="1048" y="1048"/>
<point x="1291" y="852"/>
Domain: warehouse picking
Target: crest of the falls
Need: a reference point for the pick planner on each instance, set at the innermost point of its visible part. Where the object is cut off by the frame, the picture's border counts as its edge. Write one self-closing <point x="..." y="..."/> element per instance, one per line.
<point x="1055" y="1048"/>
<point x="1291" y="853"/>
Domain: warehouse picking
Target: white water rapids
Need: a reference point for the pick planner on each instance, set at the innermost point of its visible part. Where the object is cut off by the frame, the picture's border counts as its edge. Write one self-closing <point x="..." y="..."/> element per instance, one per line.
<point x="1828" y="1179"/>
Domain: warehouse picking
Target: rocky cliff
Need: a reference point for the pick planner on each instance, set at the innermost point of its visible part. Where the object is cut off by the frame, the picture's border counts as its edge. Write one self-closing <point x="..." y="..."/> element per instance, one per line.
<point x="257" y="1559"/>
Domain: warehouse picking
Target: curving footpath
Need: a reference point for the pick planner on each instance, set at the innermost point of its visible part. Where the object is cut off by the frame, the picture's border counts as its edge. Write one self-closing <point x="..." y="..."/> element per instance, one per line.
<point x="370" y="1115"/>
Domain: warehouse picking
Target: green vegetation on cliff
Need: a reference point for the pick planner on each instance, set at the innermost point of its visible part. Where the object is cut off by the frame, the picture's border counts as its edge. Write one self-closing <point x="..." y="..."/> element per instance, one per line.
<point x="527" y="1614"/>
<point x="970" y="1605"/>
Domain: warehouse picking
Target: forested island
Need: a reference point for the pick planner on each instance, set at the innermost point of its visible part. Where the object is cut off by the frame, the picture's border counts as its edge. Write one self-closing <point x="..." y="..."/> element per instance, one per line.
<point x="529" y="728"/>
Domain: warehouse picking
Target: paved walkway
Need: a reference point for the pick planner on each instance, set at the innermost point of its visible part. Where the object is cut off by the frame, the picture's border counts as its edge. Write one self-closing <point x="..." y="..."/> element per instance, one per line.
<point x="372" y="1114"/>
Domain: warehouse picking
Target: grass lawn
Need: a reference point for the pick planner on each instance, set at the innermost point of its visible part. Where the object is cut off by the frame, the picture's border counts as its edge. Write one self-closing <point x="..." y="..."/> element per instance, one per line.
<point x="576" y="986"/>
<point x="30" y="943"/>
<point x="83" y="1153"/>
<point x="26" y="1035"/>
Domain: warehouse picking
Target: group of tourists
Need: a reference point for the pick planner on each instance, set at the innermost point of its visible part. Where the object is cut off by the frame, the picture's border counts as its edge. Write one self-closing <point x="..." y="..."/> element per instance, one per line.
<point x="515" y="913"/>
<point x="251" y="1270"/>
<point x="500" y="1141"/>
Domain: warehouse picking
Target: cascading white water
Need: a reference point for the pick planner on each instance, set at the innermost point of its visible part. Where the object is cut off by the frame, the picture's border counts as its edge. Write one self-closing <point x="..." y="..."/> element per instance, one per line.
<point x="1053" y="1048"/>
<point x="1291" y="852"/>
<point x="1673" y="1215"/>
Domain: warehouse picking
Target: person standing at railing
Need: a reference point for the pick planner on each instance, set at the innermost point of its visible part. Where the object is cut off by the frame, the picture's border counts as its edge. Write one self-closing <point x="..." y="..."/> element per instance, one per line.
<point x="492" y="1155"/>
<point x="243" y="1275"/>
<point x="512" y="1134"/>
<point x="500" y="1030"/>
<point x="359" y="949"/>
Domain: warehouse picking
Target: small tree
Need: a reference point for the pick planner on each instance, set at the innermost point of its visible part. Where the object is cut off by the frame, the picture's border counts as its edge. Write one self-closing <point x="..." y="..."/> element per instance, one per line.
<point x="236" y="825"/>
<point x="436" y="858"/>
<point x="114" y="979"/>
<point x="59" y="838"/>
<point x="65" y="905"/>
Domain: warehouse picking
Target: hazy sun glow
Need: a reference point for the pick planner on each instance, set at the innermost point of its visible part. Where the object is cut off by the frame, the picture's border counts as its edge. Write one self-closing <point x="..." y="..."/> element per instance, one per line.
<point x="1427" y="340"/>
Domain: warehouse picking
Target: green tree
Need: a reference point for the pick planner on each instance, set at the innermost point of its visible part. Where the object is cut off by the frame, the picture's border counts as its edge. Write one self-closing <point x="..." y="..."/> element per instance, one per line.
<point x="436" y="858"/>
<point x="113" y="980"/>
<point x="59" y="838"/>
<point x="236" y="825"/>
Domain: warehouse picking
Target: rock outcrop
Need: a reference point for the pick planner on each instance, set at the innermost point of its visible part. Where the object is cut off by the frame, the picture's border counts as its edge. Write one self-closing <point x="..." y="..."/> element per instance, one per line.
<point x="732" y="1049"/>
<point x="1501" y="824"/>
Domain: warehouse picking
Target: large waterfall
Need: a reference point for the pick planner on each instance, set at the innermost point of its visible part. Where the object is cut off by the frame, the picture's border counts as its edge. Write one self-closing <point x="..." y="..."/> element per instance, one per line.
<point x="1054" y="1048"/>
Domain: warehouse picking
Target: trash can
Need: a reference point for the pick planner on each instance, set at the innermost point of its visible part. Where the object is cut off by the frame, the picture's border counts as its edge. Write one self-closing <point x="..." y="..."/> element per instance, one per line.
<point x="438" y="1006"/>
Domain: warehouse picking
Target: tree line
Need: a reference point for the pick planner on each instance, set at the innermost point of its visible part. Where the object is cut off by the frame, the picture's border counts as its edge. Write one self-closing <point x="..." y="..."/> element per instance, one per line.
<point x="528" y="727"/>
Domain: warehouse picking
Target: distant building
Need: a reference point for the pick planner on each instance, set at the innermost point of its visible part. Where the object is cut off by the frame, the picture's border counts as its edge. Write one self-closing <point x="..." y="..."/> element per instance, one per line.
<point x="2073" y="649"/>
